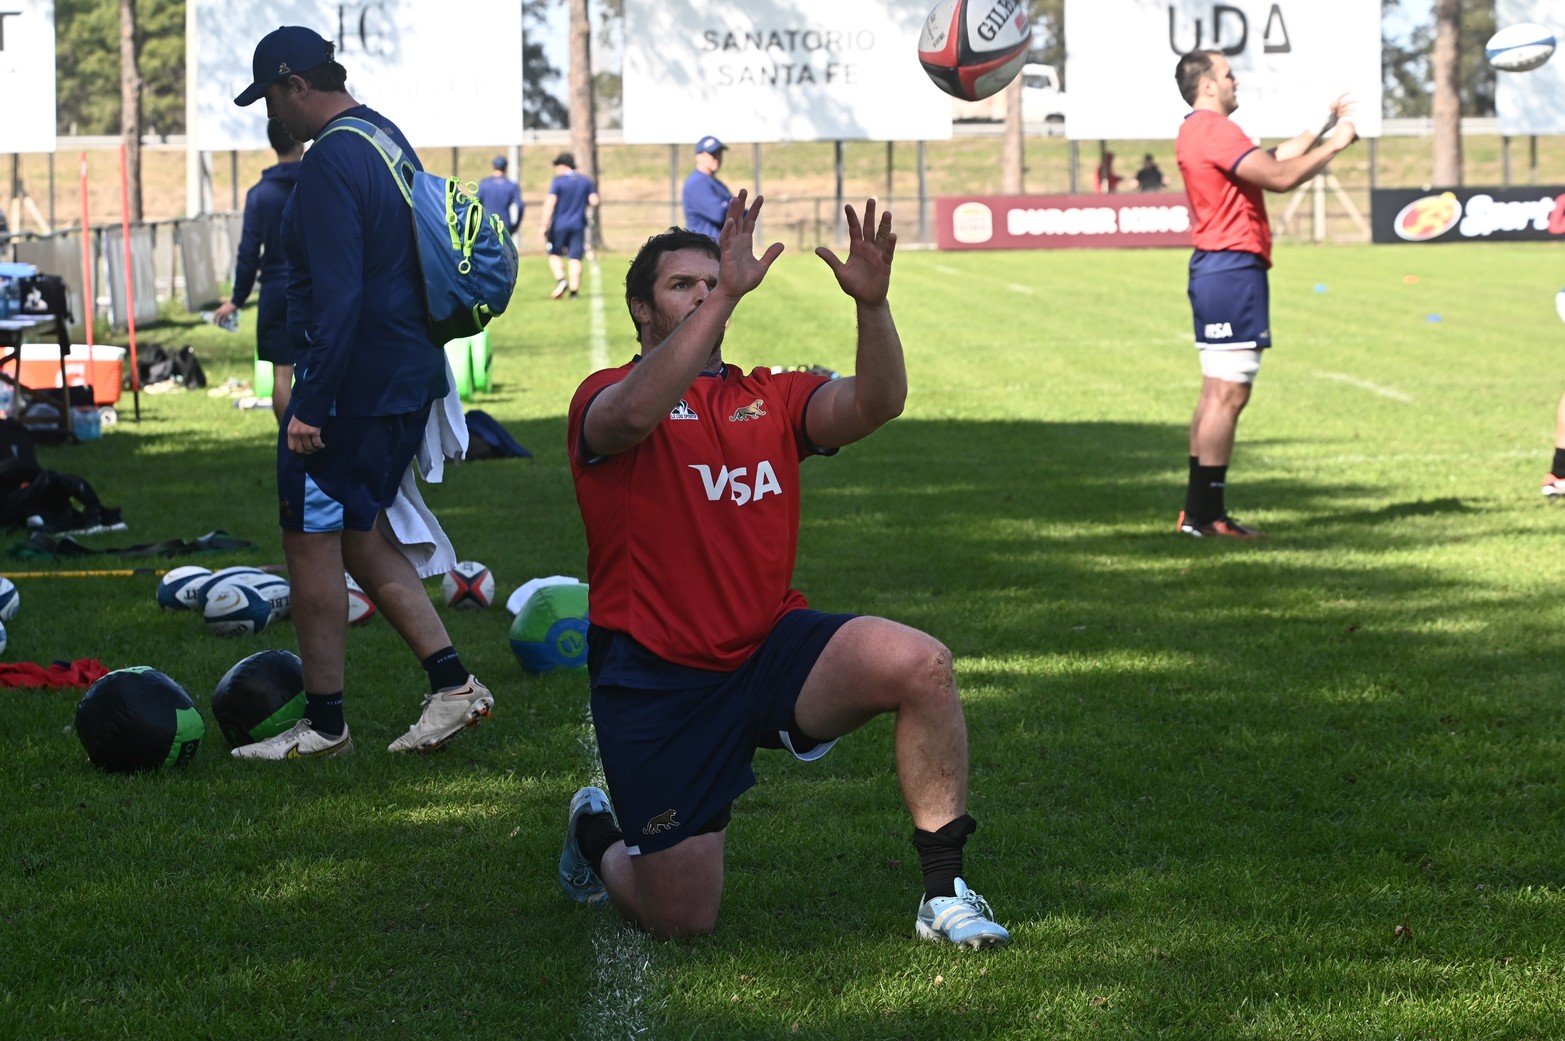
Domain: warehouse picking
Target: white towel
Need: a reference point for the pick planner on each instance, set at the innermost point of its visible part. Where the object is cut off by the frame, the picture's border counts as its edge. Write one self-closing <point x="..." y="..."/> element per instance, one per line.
<point x="414" y="530"/>
<point x="522" y="593"/>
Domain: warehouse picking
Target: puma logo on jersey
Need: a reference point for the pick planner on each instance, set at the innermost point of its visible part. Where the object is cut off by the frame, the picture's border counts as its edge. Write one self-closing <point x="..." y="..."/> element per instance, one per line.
<point x="683" y="411"/>
<point x="754" y="410"/>
<point x="735" y="482"/>
<point x="662" y="822"/>
<point x="1219" y="330"/>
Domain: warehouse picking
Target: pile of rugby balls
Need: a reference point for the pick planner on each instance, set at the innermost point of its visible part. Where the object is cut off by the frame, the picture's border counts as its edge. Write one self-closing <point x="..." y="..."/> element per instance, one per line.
<point x="236" y="601"/>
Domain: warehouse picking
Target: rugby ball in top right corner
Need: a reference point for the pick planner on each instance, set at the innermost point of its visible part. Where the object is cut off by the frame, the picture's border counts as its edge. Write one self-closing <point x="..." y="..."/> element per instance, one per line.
<point x="1520" y="48"/>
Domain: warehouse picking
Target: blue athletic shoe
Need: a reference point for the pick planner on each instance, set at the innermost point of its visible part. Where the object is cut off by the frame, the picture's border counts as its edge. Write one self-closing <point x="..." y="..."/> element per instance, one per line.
<point x="964" y="919"/>
<point x="577" y="878"/>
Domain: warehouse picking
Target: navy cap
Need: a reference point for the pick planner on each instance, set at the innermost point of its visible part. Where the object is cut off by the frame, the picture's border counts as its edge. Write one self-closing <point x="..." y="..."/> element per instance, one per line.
<point x="709" y="144"/>
<point x="286" y="51"/>
<point x="499" y="162"/>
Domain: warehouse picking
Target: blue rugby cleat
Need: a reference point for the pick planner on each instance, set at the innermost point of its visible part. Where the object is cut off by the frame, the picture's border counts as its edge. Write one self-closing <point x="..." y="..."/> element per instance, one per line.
<point x="577" y="878"/>
<point x="964" y="919"/>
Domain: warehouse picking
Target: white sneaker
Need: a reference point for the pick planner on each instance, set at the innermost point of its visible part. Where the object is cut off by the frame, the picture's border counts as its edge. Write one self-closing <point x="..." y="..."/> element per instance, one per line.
<point x="301" y="741"/>
<point x="446" y="714"/>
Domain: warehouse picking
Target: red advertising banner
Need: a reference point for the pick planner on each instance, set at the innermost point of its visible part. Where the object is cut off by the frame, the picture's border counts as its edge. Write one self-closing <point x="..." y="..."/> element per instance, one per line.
<point x="1062" y="221"/>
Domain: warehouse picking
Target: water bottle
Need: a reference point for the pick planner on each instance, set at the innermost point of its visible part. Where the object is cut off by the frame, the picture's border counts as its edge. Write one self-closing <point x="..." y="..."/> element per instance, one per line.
<point x="228" y="324"/>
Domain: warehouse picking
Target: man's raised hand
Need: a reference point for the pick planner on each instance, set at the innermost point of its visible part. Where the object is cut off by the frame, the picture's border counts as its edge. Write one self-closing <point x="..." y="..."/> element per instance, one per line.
<point x="740" y="269"/>
<point x="866" y="274"/>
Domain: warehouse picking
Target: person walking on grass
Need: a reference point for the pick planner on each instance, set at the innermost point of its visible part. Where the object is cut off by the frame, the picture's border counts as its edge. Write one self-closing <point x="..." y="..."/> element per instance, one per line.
<point x="1226" y="175"/>
<point x="261" y="252"/>
<point x="501" y="196"/>
<point x="699" y="652"/>
<point x="361" y="401"/>
<point x="564" y="223"/>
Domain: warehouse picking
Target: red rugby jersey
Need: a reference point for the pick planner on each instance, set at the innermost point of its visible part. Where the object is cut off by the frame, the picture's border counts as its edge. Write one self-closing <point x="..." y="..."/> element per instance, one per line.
<point x="692" y="534"/>
<point x="1229" y="214"/>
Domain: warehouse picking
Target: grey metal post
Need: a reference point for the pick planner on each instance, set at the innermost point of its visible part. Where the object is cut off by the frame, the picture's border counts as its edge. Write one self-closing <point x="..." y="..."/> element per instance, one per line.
<point x="923" y="196"/>
<point x="837" y="149"/>
<point x="755" y="163"/>
<point x="1374" y="160"/>
<point x="673" y="187"/>
<point x="891" y="161"/>
<point x="1532" y="159"/>
<point x="1075" y="168"/>
<point x="233" y="177"/>
<point x="1505" y="160"/>
<point x="52" y="221"/>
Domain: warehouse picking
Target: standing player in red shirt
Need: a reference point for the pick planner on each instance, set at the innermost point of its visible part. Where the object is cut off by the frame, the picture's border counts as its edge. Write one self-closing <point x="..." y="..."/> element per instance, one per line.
<point x="687" y="474"/>
<point x="1225" y="174"/>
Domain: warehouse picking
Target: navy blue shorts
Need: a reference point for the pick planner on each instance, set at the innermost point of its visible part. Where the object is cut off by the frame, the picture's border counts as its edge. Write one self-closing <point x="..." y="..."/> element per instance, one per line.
<point x="568" y="242"/>
<point x="345" y="485"/>
<point x="1231" y="301"/>
<point x="676" y="760"/>
<point x="272" y="342"/>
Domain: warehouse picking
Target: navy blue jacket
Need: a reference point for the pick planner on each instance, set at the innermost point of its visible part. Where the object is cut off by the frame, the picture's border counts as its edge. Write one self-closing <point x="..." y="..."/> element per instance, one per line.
<point x="706" y="203"/>
<point x="354" y="287"/>
<point x="501" y="197"/>
<point x="260" y="243"/>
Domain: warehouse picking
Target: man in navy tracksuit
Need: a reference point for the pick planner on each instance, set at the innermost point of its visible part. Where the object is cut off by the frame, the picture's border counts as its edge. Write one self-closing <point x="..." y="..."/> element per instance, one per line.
<point x="361" y="400"/>
<point x="261" y="251"/>
<point x="706" y="198"/>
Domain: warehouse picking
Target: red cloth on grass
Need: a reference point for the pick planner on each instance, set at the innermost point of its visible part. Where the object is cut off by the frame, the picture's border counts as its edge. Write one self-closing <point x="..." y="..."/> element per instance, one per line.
<point x="83" y="672"/>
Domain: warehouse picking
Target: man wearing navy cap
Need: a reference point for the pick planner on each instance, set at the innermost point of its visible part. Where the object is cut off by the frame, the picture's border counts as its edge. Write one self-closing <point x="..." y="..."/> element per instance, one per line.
<point x="499" y="195"/>
<point x="706" y="198"/>
<point x="364" y="384"/>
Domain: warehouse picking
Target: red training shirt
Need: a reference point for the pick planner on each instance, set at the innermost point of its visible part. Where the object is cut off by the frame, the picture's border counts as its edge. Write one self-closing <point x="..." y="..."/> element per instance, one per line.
<point x="692" y="534"/>
<point x="1229" y="214"/>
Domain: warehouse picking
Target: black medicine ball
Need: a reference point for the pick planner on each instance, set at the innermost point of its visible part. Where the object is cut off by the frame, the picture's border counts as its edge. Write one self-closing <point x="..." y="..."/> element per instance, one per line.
<point x="259" y="697"/>
<point x="138" y="719"/>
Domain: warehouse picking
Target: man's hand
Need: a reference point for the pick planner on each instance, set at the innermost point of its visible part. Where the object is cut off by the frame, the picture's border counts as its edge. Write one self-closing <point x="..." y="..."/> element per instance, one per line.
<point x="866" y="275"/>
<point x="1342" y="135"/>
<point x="303" y="438"/>
<point x="740" y="270"/>
<point x="224" y="309"/>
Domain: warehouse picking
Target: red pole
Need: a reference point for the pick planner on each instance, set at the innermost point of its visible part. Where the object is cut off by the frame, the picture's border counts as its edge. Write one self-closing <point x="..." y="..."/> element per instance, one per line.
<point x="89" y="296"/>
<point x="130" y="287"/>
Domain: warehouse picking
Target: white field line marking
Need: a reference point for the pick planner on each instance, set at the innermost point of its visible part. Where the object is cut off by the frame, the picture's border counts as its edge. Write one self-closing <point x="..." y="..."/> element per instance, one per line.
<point x="945" y="269"/>
<point x="1373" y="388"/>
<point x="1018" y="288"/>
<point x="597" y="338"/>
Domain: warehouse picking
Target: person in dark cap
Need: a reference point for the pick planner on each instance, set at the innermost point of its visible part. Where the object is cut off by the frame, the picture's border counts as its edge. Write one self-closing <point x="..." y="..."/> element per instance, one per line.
<point x="565" y="223"/>
<point x="498" y="194"/>
<point x="363" y="387"/>
<point x="706" y="198"/>
<point x="261" y="251"/>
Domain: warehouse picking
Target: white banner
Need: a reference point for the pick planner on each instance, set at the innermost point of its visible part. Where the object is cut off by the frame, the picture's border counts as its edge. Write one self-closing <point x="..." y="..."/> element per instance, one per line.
<point x="807" y="70"/>
<point x="1531" y="102"/>
<point x="1292" y="59"/>
<point x="448" y="74"/>
<point x="27" y="76"/>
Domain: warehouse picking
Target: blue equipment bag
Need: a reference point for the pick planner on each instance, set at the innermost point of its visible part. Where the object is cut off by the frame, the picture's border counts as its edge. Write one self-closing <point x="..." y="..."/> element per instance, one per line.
<point x="467" y="257"/>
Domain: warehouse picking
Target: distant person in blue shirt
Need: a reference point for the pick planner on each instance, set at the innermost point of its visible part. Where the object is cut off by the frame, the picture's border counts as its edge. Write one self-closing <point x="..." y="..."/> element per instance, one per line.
<point x="261" y="251"/>
<point x="366" y="378"/>
<point x="706" y="198"/>
<point x="565" y="223"/>
<point x="499" y="195"/>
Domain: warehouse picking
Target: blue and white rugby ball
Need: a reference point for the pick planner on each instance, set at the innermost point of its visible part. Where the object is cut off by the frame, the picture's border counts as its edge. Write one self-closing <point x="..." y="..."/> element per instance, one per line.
<point x="1520" y="48"/>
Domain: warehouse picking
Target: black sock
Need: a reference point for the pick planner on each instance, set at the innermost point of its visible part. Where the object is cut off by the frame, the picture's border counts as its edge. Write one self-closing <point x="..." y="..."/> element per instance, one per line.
<point x="445" y="669"/>
<point x="1558" y="469"/>
<point x="1190" y="496"/>
<point x="1207" y="485"/>
<point x="324" y="711"/>
<point x="595" y="833"/>
<point x="940" y="855"/>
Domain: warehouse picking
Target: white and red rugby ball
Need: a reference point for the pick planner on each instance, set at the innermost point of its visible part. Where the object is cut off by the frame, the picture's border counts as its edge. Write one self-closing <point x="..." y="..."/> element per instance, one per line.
<point x="974" y="48"/>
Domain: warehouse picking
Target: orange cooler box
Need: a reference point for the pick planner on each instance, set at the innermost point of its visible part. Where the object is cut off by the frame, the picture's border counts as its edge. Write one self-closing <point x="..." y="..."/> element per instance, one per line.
<point x="103" y="369"/>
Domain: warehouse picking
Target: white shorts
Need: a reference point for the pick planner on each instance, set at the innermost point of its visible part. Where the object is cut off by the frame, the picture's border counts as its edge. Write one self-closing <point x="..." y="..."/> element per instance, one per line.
<point x="1230" y="366"/>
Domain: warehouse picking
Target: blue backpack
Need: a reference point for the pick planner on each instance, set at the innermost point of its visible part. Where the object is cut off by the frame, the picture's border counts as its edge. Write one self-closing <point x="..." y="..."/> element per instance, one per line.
<point x="467" y="257"/>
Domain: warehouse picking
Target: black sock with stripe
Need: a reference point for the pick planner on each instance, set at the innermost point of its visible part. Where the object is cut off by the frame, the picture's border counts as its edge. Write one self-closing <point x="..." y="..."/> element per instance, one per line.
<point x="324" y="711"/>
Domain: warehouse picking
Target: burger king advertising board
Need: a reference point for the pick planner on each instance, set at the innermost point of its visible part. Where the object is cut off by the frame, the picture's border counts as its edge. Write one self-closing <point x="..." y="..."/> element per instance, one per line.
<point x="1531" y="214"/>
<point x="1062" y="221"/>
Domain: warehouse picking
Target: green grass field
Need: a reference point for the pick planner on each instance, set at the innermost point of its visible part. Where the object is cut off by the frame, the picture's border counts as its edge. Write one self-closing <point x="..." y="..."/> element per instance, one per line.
<point x="1302" y="789"/>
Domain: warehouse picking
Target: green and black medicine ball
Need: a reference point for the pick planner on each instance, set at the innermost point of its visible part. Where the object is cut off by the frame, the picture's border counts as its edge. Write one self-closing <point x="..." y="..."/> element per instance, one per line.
<point x="259" y="697"/>
<point x="138" y="719"/>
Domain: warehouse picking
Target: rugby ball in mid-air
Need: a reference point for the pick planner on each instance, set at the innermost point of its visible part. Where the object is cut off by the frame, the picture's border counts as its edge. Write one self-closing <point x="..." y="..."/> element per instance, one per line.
<point x="469" y="584"/>
<point x="974" y="48"/>
<point x="1520" y="48"/>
